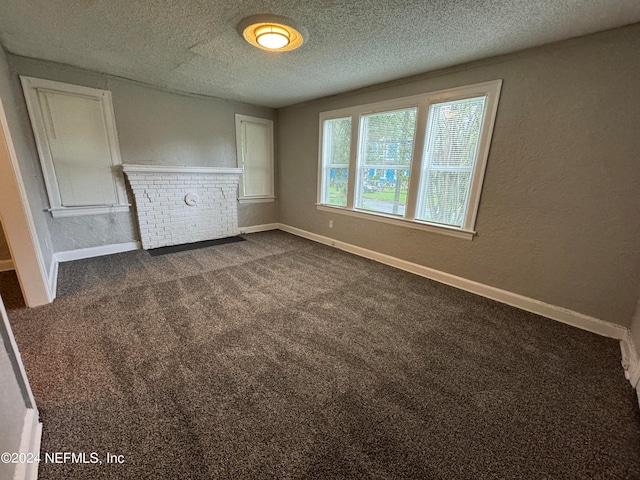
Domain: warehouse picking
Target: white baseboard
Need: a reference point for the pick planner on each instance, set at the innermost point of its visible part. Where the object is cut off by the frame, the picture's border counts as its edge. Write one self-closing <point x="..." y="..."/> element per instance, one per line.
<point x="630" y="359"/>
<point x="6" y="265"/>
<point x="70" y="255"/>
<point x="53" y="277"/>
<point x="91" y="252"/>
<point x="30" y="445"/>
<point x="259" y="228"/>
<point x="554" y="312"/>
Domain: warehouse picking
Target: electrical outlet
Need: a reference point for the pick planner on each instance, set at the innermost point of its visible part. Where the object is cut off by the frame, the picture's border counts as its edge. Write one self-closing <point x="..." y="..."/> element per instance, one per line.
<point x="330" y="223"/>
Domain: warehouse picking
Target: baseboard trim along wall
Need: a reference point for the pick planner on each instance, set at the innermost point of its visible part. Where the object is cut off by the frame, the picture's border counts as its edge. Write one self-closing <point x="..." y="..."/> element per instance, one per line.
<point x="29" y="445"/>
<point x="259" y="228"/>
<point x="91" y="252"/>
<point x="632" y="358"/>
<point x="81" y="253"/>
<point x="53" y="277"/>
<point x="6" y="265"/>
<point x="554" y="312"/>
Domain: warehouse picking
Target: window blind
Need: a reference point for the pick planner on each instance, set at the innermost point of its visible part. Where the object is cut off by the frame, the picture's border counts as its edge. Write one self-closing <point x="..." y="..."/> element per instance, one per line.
<point x="453" y="135"/>
<point x="256" y="159"/>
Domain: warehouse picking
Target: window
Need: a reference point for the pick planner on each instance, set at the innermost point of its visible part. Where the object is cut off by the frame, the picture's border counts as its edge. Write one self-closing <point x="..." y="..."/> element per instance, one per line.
<point x="416" y="161"/>
<point x="335" y="172"/>
<point x="76" y="137"/>
<point x="254" y="138"/>
<point x="384" y="160"/>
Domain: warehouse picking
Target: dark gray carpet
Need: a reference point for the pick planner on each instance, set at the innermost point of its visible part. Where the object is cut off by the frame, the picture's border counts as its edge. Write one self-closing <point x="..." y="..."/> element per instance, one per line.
<point x="281" y="358"/>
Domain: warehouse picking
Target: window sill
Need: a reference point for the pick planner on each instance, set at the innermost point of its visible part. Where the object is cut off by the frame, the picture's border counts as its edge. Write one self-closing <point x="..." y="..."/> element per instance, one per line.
<point x="256" y="199"/>
<point x="58" y="212"/>
<point x="414" y="224"/>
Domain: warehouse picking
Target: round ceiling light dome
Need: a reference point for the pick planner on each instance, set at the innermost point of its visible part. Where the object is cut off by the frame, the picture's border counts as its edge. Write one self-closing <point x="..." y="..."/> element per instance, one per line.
<point x="272" y="37"/>
<point x="270" y="32"/>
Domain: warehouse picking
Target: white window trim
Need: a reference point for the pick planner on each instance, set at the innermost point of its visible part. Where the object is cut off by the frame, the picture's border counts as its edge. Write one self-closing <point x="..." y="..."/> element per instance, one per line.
<point x="255" y="199"/>
<point x="30" y="86"/>
<point x="399" y="221"/>
<point x="242" y="198"/>
<point x="489" y="89"/>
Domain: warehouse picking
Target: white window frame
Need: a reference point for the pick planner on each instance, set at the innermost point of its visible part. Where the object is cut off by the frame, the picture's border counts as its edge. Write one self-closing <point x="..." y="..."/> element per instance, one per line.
<point x="31" y="86"/>
<point x="360" y="155"/>
<point x="491" y="90"/>
<point x="324" y="168"/>
<point x="271" y="196"/>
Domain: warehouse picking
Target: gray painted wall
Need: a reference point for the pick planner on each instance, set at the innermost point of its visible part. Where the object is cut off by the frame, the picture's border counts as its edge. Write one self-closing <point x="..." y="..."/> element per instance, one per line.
<point x="558" y="218"/>
<point x="28" y="162"/>
<point x="154" y="127"/>
<point x="4" y="247"/>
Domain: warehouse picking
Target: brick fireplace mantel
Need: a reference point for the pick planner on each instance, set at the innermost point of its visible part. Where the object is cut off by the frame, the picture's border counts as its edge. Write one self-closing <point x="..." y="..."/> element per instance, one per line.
<point x="177" y="204"/>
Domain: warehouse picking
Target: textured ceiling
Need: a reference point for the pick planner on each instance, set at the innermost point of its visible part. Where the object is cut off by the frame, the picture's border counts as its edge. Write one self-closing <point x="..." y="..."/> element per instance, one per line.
<point x="193" y="45"/>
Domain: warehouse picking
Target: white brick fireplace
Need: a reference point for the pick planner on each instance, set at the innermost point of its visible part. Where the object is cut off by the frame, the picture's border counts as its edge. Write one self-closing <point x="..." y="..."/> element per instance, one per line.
<point x="179" y="205"/>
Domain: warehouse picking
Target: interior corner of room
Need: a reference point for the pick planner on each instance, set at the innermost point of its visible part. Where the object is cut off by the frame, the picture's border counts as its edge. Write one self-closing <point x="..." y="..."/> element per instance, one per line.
<point x="548" y="223"/>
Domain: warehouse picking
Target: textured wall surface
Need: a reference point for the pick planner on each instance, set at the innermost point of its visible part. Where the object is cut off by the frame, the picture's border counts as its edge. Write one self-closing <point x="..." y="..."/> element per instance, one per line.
<point x="165" y="216"/>
<point x="558" y="217"/>
<point x="71" y="233"/>
<point x="257" y="213"/>
<point x="4" y="248"/>
<point x="154" y="127"/>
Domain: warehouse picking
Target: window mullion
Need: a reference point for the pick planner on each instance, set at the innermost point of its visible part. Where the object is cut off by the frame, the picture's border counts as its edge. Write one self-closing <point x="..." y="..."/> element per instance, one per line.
<point x="326" y="147"/>
<point x="416" y="161"/>
<point x="353" y="160"/>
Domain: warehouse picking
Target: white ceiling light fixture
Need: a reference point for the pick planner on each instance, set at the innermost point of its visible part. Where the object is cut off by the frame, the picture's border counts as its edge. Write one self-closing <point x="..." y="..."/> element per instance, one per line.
<point x="272" y="37"/>
<point x="270" y="32"/>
